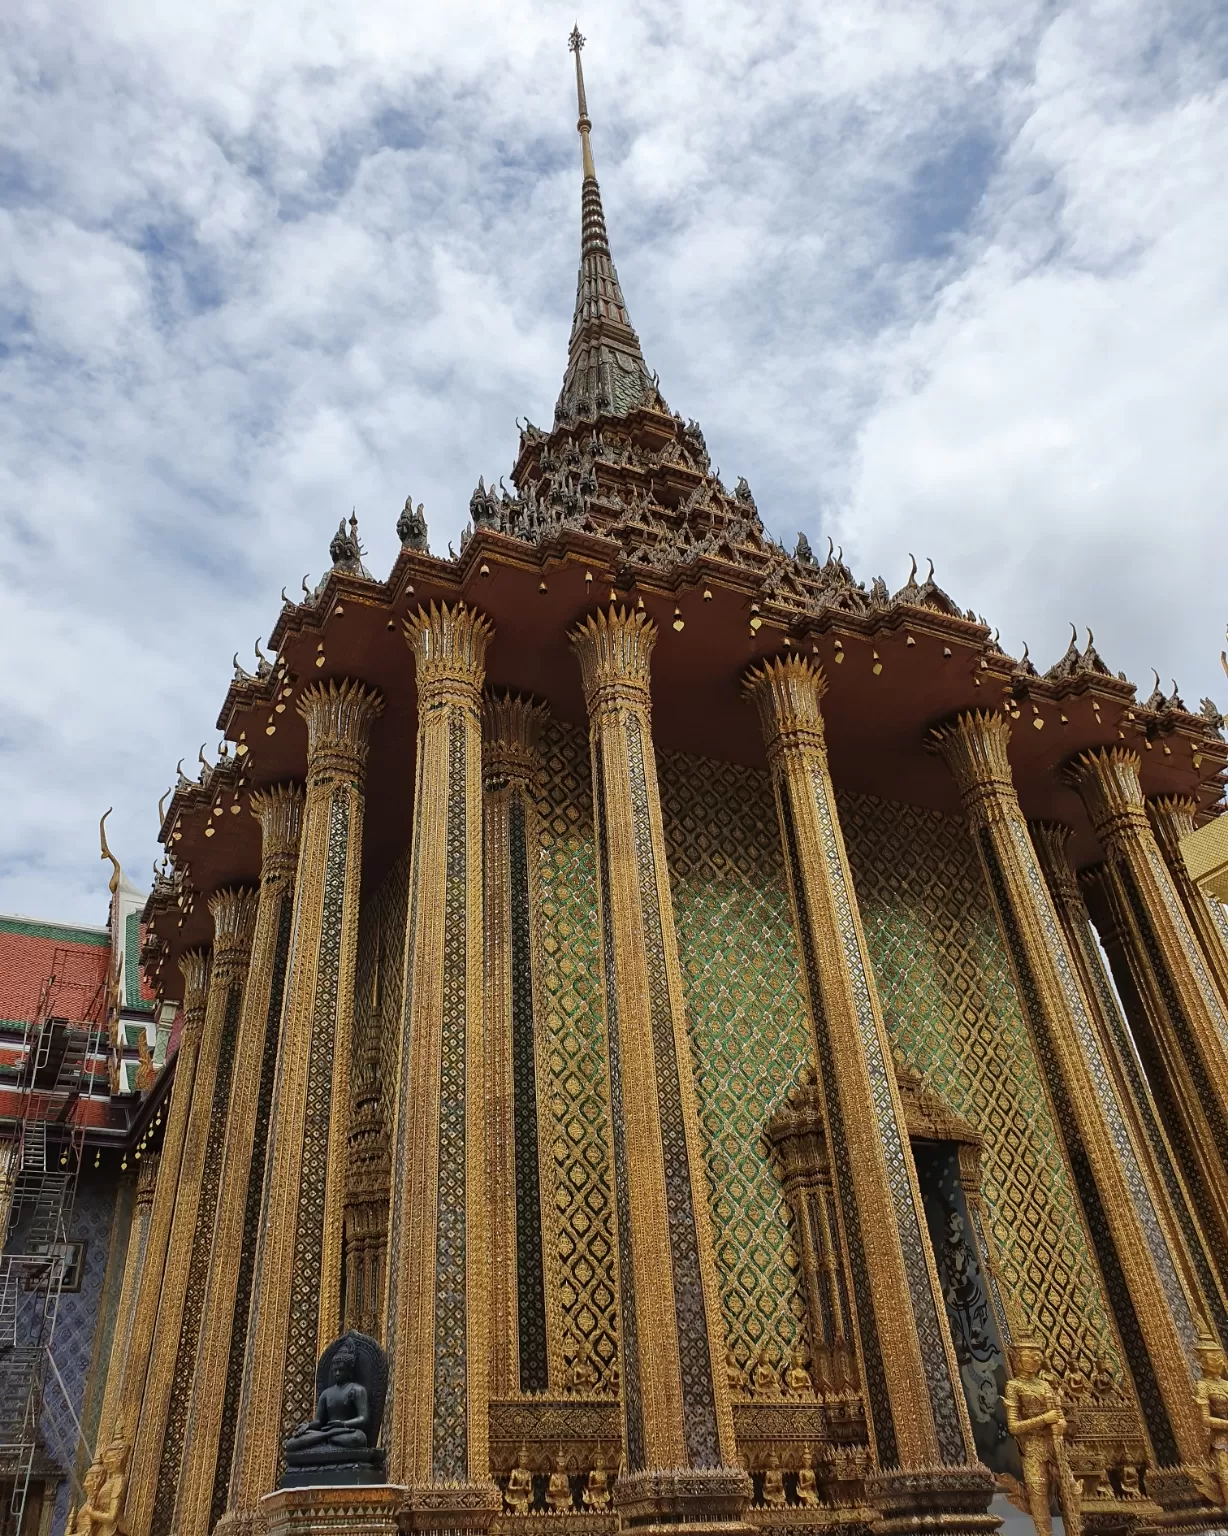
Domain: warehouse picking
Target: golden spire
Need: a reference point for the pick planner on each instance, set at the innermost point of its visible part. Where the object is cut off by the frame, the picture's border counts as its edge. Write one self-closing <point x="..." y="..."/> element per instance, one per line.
<point x="576" y="42"/>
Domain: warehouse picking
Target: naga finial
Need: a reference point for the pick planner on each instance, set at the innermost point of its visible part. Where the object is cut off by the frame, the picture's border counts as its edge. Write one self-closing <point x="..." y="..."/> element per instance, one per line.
<point x="912" y="575"/>
<point x="161" y="812"/>
<point x="113" y="882"/>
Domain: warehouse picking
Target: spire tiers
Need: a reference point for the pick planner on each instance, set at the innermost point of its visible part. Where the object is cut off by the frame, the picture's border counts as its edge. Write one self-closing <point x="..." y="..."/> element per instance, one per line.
<point x="606" y="372"/>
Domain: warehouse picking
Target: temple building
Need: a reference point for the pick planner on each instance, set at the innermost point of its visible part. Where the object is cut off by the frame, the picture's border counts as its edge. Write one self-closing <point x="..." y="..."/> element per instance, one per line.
<point x="747" y="1050"/>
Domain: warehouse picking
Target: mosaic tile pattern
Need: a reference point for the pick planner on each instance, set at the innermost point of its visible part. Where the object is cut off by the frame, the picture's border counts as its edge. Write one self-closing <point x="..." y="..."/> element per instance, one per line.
<point x="570" y="1011"/>
<point x="951" y="1009"/>
<point x="749" y="1032"/>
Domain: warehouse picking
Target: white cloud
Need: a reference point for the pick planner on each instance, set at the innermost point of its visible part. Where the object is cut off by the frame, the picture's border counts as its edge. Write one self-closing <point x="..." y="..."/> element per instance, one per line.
<point x="942" y="276"/>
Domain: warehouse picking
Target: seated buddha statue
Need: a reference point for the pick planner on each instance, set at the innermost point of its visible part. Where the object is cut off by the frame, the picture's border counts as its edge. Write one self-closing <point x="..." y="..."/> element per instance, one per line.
<point x="763" y="1377"/>
<point x="343" y="1415"/>
<point x="773" y="1483"/>
<point x="797" y="1378"/>
<point x="340" y="1444"/>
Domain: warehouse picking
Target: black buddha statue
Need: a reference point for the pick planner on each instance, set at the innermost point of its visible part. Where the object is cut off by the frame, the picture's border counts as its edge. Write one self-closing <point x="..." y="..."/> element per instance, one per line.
<point x="338" y="1446"/>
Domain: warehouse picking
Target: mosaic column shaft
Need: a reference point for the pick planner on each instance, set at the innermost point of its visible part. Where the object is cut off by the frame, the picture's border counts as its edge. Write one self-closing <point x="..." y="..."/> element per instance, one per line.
<point x="438" y="1260"/>
<point x="524" y="1296"/>
<point x="125" y="1311"/>
<point x="1168" y="1172"/>
<point x="296" y="1280"/>
<point x="1172" y="818"/>
<point x="1141" y="1279"/>
<point x="1183" y="1026"/>
<point x="158" y="1449"/>
<point x="678" y="1429"/>
<point x="209" y="1438"/>
<point x="368" y="1189"/>
<point x="914" y="1399"/>
<point x="195" y="967"/>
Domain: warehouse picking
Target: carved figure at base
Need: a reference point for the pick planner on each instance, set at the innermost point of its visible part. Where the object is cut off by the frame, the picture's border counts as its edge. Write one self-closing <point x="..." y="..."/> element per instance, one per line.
<point x="581" y="1372"/>
<point x="1131" y="1487"/>
<point x="596" y="1494"/>
<point x="518" y="1494"/>
<point x="339" y="1445"/>
<point x="733" y="1371"/>
<point x="797" y="1378"/>
<point x="807" y="1492"/>
<point x="1103" y="1383"/>
<point x="101" y="1513"/>
<point x="81" y="1522"/>
<point x="558" y="1489"/>
<point x="1034" y="1416"/>
<point x="773" y="1484"/>
<point x="1211" y="1393"/>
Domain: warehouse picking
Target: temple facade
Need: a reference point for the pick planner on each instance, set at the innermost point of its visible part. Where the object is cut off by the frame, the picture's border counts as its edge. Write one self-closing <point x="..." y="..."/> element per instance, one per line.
<point x="748" y="1050"/>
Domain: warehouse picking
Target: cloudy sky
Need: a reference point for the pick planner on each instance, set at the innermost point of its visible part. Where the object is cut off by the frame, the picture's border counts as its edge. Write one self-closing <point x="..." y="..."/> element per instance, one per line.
<point x="948" y="276"/>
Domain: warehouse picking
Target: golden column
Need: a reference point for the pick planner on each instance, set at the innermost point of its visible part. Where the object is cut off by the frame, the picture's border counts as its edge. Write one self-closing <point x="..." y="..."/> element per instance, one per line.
<point x="1168" y="1172"/>
<point x="438" y="1263"/>
<point x="524" y="1340"/>
<point x="914" y="1400"/>
<point x="125" y="1311"/>
<point x="1141" y="1281"/>
<point x="1172" y="818"/>
<point x="158" y="1450"/>
<point x="209" y="1439"/>
<point x="195" y="967"/>
<point x="678" y="1427"/>
<point x="296" y="1280"/>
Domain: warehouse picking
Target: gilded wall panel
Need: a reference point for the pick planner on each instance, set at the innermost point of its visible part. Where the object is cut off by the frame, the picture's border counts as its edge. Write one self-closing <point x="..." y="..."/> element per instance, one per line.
<point x="571" y="1015"/>
<point x="750" y="1036"/>
<point x="950" y="1005"/>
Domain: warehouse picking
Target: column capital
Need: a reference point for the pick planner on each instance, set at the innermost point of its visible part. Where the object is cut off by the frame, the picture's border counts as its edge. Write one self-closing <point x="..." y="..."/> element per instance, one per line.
<point x="279" y="810"/>
<point x="147" y="1179"/>
<point x="234" y="918"/>
<point x="449" y="644"/>
<point x="511" y="737"/>
<point x="194" y="964"/>
<point x="1051" y="840"/>
<point x="974" y="747"/>
<point x="1171" y="816"/>
<point x="614" y="650"/>
<point x="1107" y="780"/>
<point x="339" y="716"/>
<point x="788" y="691"/>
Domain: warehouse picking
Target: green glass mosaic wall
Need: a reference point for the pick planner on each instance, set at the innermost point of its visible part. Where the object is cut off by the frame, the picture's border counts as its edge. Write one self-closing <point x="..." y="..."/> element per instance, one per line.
<point x="750" y="1036"/>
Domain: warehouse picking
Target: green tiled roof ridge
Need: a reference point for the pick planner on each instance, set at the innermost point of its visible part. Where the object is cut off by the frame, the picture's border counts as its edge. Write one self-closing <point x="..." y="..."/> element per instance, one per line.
<point x="56" y="933"/>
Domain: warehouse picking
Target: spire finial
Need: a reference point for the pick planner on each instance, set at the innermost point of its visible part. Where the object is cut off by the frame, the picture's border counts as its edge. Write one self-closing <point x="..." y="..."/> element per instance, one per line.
<point x="575" y="42"/>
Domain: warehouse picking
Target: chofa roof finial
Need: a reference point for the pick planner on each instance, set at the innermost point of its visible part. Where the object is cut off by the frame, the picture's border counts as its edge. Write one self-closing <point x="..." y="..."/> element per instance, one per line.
<point x="113" y="882"/>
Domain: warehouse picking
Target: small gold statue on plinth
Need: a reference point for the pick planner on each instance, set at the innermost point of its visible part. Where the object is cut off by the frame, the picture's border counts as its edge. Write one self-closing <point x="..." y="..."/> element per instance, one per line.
<point x="773" y="1484"/>
<point x="1131" y="1487"/>
<point x="733" y="1371"/>
<point x="558" y="1490"/>
<point x="763" y="1381"/>
<point x="1034" y="1416"/>
<point x="1102" y="1377"/>
<point x="518" y="1494"/>
<point x="80" y="1522"/>
<point x="596" y="1495"/>
<point x="798" y="1380"/>
<point x="1211" y="1394"/>
<point x="807" y="1492"/>
<point x="102" y="1512"/>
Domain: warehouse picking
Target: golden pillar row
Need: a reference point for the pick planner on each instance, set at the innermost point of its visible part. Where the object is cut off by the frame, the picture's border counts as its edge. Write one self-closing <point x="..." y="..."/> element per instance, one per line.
<point x="1167" y="1170"/>
<point x="296" y="1280"/>
<point x="678" y="1429"/>
<point x="125" y="1311"/>
<point x="438" y="1261"/>
<point x="1141" y="1280"/>
<point x="209" y="1437"/>
<point x="158" y="1450"/>
<point x="1184" y="1023"/>
<point x="915" y="1405"/>
<point x="194" y="965"/>
<point x="524" y="1286"/>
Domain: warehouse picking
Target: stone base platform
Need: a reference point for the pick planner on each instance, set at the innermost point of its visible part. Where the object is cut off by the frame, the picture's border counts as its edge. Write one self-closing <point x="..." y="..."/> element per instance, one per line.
<point x="333" y="1511"/>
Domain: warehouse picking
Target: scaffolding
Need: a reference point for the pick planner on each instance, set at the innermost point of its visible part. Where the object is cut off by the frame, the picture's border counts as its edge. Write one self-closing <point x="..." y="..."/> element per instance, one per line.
<point x="46" y="1141"/>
